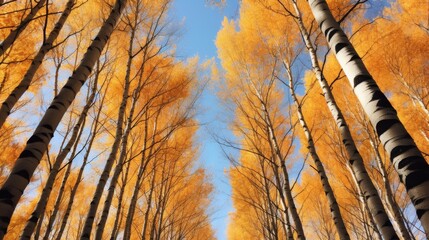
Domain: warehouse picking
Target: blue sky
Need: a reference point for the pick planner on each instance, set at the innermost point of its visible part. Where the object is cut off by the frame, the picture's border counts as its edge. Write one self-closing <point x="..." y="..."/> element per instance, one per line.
<point x="201" y="23"/>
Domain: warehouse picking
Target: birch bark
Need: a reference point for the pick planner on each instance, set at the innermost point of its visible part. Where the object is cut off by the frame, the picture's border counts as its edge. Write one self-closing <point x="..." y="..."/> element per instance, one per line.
<point x="407" y="159"/>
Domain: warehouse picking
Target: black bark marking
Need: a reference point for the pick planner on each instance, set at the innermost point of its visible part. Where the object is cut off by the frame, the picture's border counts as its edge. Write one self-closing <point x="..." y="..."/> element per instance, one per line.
<point x="71" y="89"/>
<point x="340" y="46"/>
<point x="383" y="102"/>
<point x="416" y="178"/>
<point x="396" y="151"/>
<point x="418" y="201"/>
<point x="34" y="139"/>
<point x="331" y="34"/>
<point x="326" y="32"/>
<point x="384" y="125"/>
<point x="88" y="68"/>
<point x="421" y="212"/>
<point x="26" y="154"/>
<point x="34" y="219"/>
<point x="49" y="127"/>
<point x="321" y="24"/>
<point x="48" y="135"/>
<point x="53" y="107"/>
<point x="23" y="174"/>
<point x="412" y="163"/>
<point x="354" y="57"/>
<point x="388" y="224"/>
<point x="60" y="103"/>
<point x="5" y="194"/>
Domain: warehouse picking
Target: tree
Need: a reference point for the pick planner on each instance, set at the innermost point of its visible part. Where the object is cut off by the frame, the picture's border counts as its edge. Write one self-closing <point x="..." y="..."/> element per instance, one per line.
<point x="250" y="75"/>
<point x="36" y="146"/>
<point x="333" y="205"/>
<point x="404" y="154"/>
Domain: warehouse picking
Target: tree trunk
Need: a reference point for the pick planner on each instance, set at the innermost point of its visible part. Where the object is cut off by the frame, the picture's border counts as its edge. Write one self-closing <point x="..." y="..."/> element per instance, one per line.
<point x="38" y="227"/>
<point x="19" y="90"/>
<point x="73" y="191"/>
<point x="118" y="169"/>
<point x="57" y="203"/>
<point x="77" y="131"/>
<point x="407" y="159"/>
<point x="23" y="170"/>
<point x="89" y="103"/>
<point x="390" y="199"/>
<point x="13" y="35"/>
<point x="120" y="211"/>
<point x="148" y="203"/>
<point x="86" y="233"/>
<point x="333" y="205"/>
<point x="355" y="159"/>
<point x="143" y="164"/>
<point x="271" y="211"/>
<point x="279" y="160"/>
<point x="366" y="209"/>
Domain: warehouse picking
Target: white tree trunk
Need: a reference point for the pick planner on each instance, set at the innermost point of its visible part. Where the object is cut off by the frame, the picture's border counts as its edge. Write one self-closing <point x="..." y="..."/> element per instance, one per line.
<point x="355" y="159"/>
<point x="404" y="154"/>
<point x="25" y="165"/>
<point x="335" y="209"/>
<point x="279" y="160"/>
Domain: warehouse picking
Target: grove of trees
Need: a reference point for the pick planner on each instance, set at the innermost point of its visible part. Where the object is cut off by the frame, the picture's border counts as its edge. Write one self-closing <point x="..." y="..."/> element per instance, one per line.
<point x="328" y="103"/>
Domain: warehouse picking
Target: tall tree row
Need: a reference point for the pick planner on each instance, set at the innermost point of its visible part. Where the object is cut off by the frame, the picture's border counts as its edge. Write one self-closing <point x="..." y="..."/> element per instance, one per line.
<point x="124" y="119"/>
<point x="328" y="103"/>
<point x="370" y="201"/>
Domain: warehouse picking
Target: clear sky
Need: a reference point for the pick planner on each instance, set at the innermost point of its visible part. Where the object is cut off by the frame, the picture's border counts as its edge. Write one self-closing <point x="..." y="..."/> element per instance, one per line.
<point x="201" y="23"/>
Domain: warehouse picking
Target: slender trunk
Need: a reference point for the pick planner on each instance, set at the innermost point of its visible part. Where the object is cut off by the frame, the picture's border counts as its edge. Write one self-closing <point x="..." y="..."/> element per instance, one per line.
<point x="77" y="132"/>
<point x="286" y="225"/>
<point x="163" y="197"/>
<point x="73" y="191"/>
<point x="289" y="232"/>
<point x="407" y="159"/>
<point x="86" y="233"/>
<point x="134" y="197"/>
<point x="366" y="209"/>
<point x="61" y="191"/>
<point x="118" y="168"/>
<point x="57" y="203"/>
<point x="333" y="205"/>
<point x="19" y="90"/>
<point x="83" y="115"/>
<point x="355" y="159"/>
<point x="25" y="165"/>
<point x="272" y="215"/>
<point x="13" y="35"/>
<point x="390" y="199"/>
<point x="38" y="227"/>
<point x="148" y="203"/>
<point x="279" y="160"/>
<point x="120" y="211"/>
<point x="145" y="159"/>
<point x="415" y="96"/>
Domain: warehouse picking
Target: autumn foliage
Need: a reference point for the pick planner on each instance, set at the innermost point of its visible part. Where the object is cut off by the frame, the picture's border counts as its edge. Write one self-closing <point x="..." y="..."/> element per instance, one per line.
<point x="123" y="160"/>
